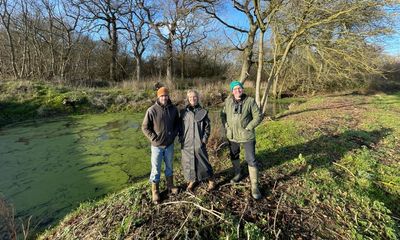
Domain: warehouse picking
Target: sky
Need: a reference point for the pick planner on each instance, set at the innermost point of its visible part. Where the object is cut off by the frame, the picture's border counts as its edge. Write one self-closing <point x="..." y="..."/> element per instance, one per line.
<point x="390" y="44"/>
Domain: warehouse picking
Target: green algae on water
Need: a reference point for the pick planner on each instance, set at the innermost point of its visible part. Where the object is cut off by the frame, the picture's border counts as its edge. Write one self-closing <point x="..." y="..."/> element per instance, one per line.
<point x="49" y="167"/>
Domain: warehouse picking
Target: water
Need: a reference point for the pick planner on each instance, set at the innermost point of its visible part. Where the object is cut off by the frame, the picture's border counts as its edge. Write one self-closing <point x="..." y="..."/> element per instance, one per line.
<point x="48" y="168"/>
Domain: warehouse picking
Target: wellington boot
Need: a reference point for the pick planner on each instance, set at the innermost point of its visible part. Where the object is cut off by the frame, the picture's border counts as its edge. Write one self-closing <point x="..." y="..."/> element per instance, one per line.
<point x="155" y="193"/>
<point x="253" y="174"/>
<point x="170" y="185"/>
<point x="237" y="171"/>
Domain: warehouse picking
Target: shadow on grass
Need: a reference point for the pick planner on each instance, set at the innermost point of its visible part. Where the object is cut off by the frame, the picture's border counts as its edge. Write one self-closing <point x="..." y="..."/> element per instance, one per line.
<point x="324" y="151"/>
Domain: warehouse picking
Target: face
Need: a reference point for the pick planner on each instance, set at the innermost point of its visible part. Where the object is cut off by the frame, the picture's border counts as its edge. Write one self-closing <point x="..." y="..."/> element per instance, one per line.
<point x="193" y="98"/>
<point x="237" y="92"/>
<point x="163" y="99"/>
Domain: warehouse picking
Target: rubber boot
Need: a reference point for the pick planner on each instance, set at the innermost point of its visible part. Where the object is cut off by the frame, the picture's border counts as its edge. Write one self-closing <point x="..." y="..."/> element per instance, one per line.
<point x="170" y="185"/>
<point x="211" y="184"/>
<point x="155" y="193"/>
<point x="253" y="174"/>
<point x="236" y="169"/>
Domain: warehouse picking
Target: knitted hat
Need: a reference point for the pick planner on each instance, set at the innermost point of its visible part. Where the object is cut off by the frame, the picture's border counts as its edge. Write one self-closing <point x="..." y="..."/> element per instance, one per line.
<point x="162" y="91"/>
<point x="234" y="84"/>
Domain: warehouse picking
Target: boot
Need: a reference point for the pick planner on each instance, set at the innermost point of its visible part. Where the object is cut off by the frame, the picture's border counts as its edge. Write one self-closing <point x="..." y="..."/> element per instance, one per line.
<point x="236" y="170"/>
<point x="170" y="185"/>
<point x="253" y="174"/>
<point x="155" y="193"/>
<point x="211" y="184"/>
<point x="190" y="187"/>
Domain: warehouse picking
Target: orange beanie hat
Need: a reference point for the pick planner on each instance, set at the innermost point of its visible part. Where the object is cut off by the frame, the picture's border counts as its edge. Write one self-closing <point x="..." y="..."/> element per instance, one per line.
<point x="162" y="91"/>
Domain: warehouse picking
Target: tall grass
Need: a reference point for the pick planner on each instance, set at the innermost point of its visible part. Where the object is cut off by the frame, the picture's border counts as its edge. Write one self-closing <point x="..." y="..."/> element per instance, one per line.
<point x="7" y="223"/>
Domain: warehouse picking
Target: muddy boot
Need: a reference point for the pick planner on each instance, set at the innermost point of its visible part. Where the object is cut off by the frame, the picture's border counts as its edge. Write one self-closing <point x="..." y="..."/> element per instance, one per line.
<point x="190" y="187"/>
<point x="236" y="170"/>
<point x="170" y="185"/>
<point x="211" y="184"/>
<point x="253" y="174"/>
<point x="155" y="193"/>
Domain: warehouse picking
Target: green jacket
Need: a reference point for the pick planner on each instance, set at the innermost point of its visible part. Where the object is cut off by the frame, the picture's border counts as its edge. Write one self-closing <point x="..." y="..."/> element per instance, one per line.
<point x="240" y="119"/>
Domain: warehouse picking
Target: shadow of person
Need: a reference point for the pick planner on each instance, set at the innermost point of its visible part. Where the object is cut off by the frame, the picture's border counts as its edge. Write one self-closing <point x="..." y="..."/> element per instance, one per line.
<point x="323" y="150"/>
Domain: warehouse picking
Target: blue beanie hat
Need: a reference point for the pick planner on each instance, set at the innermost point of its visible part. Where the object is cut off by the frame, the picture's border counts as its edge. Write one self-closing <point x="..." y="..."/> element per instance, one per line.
<point x="234" y="84"/>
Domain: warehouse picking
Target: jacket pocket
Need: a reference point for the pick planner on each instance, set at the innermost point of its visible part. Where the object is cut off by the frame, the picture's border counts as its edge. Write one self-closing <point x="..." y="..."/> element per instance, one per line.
<point x="245" y="134"/>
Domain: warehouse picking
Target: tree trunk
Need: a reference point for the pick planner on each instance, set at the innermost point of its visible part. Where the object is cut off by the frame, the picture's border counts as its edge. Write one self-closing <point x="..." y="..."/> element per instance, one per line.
<point x="182" y="65"/>
<point x="260" y="66"/>
<point x="169" y="62"/>
<point x="247" y="54"/>
<point x="138" y="68"/>
<point x="113" y="50"/>
<point x="12" y="48"/>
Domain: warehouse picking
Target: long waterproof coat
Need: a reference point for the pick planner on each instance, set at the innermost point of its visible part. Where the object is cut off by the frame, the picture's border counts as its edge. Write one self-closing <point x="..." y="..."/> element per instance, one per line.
<point x="194" y="133"/>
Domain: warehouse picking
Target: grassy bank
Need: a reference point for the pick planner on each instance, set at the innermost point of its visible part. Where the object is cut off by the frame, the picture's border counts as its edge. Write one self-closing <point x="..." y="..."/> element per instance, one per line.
<point x="330" y="169"/>
<point x="24" y="100"/>
<point x="27" y="100"/>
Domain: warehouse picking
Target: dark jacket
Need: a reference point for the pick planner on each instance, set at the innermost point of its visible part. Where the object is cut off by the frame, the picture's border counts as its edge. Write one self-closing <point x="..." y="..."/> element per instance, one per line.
<point x="161" y="124"/>
<point x="195" y="130"/>
<point x="240" y="118"/>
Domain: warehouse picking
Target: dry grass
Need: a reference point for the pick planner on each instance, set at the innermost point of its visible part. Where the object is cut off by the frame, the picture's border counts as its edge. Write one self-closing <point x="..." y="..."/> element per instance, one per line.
<point x="7" y="224"/>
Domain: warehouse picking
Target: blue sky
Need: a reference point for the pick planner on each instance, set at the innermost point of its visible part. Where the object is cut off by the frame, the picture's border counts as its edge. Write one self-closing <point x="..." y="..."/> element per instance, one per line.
<point x="390" y="44"/>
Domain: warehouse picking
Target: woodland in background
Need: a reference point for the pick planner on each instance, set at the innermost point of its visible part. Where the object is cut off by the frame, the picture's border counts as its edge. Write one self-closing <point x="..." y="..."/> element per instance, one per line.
<point x="279" y="45"/>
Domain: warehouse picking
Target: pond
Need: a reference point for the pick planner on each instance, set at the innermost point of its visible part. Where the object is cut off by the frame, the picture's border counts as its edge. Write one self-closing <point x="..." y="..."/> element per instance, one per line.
<point x="49" y="167"/>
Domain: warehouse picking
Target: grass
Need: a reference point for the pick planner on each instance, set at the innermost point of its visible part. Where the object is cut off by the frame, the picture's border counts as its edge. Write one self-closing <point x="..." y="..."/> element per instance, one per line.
<point x="330" y="170"/>
<point x="25" y="100"/>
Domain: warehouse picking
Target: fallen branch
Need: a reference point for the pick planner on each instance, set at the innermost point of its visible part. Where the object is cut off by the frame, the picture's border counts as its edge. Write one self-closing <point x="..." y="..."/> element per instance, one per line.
<point x="212" y="212"/>
<point x="337" y="164"/>
<point x="241" y="217"/>
<point x="276" y="215"/>
<point x="183" y="224"/>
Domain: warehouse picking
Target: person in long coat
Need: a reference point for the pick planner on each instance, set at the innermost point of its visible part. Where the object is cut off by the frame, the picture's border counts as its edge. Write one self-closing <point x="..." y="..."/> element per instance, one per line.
<point x="194" y="133"/>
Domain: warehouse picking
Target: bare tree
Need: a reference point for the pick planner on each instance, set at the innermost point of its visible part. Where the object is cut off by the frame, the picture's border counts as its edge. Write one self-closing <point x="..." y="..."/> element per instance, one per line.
<point x="307" y="22"/>
<point x="6" y="10"/>
<point x="138" y="34"/>
<point x="164" y="19"/>
<point x="244" y="7"/>
<point x="105" y="14"/>
<point x="71" y="29"/>
<point x="190" y="31"/>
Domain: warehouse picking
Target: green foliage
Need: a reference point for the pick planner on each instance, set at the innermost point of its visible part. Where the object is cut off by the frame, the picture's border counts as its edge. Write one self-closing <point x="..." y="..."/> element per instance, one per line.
<point x="252" y="231"/>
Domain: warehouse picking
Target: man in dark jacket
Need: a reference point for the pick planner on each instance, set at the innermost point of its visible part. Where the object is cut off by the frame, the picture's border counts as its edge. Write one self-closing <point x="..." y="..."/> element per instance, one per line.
<point x="161" y="125"/>
<point x="240" y="116"/>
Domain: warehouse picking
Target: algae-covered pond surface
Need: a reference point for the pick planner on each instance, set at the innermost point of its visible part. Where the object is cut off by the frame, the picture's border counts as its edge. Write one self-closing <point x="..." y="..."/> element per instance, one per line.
<point x="49" y="167"/>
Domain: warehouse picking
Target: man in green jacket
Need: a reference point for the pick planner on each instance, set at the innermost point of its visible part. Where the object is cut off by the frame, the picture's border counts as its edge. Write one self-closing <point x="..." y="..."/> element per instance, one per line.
<point x="240" y="116"/>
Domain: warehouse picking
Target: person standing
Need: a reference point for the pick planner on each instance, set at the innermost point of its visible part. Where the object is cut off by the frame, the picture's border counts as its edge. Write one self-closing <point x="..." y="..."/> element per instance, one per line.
<point x="194" y="134"/>
<point x="161" y="125"/>
<point x="240" y="116"/>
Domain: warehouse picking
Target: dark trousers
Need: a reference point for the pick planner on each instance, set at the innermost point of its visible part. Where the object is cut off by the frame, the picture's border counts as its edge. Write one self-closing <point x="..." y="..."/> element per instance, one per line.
<point x="250" y="152"/>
